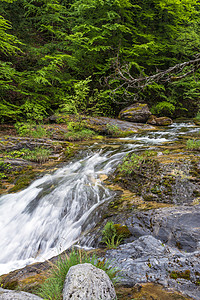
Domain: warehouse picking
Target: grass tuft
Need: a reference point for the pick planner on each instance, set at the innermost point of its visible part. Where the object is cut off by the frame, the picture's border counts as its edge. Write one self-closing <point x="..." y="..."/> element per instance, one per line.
<point x="52" y="288"/>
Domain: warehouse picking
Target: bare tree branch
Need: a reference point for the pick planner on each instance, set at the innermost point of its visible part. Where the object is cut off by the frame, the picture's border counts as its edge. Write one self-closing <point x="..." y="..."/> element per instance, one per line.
<point x="128" y="82"/>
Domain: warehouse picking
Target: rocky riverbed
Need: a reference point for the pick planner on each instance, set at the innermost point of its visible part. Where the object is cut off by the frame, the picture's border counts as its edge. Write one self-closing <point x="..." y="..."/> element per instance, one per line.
<point x="158" y="203"/>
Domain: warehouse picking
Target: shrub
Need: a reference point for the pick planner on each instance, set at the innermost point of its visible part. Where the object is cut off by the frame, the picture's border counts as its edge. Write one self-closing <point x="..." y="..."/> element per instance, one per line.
<point x="30" y="130"/>
<point x="163" y="108"/>
<point x="52" y="288"/>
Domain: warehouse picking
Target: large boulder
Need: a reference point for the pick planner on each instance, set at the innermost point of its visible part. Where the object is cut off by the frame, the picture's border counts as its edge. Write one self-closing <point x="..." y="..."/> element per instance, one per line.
<point x="16" y="295"/>
<point x="138" y="113"/>
<point x="85" y="281"/>
<point x="162" y="121"/>
<point x="149" y="260"/>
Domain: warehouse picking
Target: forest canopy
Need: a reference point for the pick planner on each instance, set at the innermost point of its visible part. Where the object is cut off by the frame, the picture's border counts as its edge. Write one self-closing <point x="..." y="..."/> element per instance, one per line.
<point x="76" y="57"/>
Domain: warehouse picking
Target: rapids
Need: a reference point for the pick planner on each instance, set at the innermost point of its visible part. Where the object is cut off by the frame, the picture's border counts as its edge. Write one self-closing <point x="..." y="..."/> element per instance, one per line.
<point x="47" y="217"/>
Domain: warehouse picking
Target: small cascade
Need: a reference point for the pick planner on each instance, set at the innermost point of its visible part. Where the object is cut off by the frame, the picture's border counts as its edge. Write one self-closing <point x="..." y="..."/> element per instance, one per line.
<point x="47" y="217"/>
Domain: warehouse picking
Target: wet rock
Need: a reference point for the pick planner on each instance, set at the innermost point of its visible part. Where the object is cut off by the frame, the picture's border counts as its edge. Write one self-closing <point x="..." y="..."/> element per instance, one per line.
<point x="148" y="291"/>
<point x="138" y="112"/>
<point x="163" y="179"/>
<point x="162" y="121"/>
<point x="115" y="127"/>
<point x="175" y="226"/>
<point x="16" y="295"/>
<point x="197" y="122"/>
<point x="149" y="260"/>
<point x="12" y="143"/>
<point x="85" y="281"/>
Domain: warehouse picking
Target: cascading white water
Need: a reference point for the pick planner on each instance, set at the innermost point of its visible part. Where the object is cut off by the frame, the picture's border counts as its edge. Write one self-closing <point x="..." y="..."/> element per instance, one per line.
<point x="47" y="217"/>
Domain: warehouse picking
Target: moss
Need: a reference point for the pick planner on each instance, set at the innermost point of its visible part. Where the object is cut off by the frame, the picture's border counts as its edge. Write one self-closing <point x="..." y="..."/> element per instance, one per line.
<point x="176" y="274"/>
<point x="23" y="181"/>
<point x="148" y="291"/>
<point x="122" y="230"/>
<point x="12" y="285"/>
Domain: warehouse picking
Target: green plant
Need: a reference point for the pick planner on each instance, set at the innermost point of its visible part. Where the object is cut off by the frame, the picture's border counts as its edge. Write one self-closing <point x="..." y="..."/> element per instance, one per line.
<point x="163" y="108"/>
<point x="52" y="288"/>
<point x="113" y="130"/>
<point x="131" y="163"/>
<point x="111" y="236"/>
<point x="193" y="144"/>
<point x="198" y="116"/>
<point x="30" y="130"/>
<point x="84" y="134"/>
<point x="39" y="154"/>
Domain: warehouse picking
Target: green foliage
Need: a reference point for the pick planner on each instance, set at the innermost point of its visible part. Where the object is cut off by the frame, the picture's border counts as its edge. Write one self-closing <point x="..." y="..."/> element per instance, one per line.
<point x="83" y="134"/>
<point x="198" y="116"/>
<point x="133" y="162"/>
<point x="113" y="130"/>
<point x="193" y="144"/>
<point x="163" y="108"/>
<point x="110" y="236"/>
<point x="69" y="48"/>
<point x="4" y="169"/>
<point x="31" y="130"/>
<point x="38" y="154"/>
<point x="77" y="131"/>
<point x="83" y="100"/>
<point x="52" y="288"/>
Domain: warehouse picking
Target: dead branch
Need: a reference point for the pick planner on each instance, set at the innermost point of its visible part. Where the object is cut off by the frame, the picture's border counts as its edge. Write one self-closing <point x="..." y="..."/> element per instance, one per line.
<point x="128" y="82"/>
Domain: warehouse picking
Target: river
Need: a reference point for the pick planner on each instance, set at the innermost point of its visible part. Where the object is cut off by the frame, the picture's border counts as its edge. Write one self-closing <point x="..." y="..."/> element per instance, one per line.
<point x="47" y="217"/>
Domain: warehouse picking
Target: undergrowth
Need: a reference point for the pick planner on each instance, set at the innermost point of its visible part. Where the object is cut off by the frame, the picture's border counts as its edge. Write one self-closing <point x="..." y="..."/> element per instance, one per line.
<point x="110" y="236"/>
<point x="52" y="288"/>
<point x="31" y="130"/>
<point x="193" y="144"/>
<point x="38" y="154"/>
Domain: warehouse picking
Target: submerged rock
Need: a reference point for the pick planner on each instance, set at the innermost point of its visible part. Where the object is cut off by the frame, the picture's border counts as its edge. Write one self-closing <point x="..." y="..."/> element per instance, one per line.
<point x="85" y="281"/>
<point x="138" y="112"/>
<point x="16" y="295"/>
<point x="149" y="260"/>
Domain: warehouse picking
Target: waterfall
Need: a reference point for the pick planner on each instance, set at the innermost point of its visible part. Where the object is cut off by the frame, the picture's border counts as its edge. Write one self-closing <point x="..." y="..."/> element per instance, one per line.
<point x="47" y="217"/>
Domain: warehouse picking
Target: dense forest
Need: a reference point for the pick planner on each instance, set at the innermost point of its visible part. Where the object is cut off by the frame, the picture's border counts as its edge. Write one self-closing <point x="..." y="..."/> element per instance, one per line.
<point x="98" y="56"/>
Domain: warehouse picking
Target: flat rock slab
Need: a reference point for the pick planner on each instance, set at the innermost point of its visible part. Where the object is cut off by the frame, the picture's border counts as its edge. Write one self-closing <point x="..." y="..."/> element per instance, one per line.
<point x="102" y="124"/>
<point x="149" y="260"/>
<point x="86" y="282"/>
<point x="16" y="295"/>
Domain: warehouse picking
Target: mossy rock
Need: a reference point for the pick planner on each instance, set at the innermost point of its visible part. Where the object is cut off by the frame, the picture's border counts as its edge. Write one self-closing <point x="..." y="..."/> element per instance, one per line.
<point x="138" y="113"/>
<point x="122" y="230"/>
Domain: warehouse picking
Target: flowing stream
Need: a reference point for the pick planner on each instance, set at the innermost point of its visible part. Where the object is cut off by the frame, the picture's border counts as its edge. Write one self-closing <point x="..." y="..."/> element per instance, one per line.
<point x="48" y="216"/>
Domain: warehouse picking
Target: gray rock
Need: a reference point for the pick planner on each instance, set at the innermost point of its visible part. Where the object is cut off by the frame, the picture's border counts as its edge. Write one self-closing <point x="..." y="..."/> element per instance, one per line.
<point x="138" y="112"/>
<point x="16" y="295"/>
<point x="87" y="282"/>
<point x="149" y="260"/>
<point x="102" y="125"/>
<point x="175" y="226"/>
